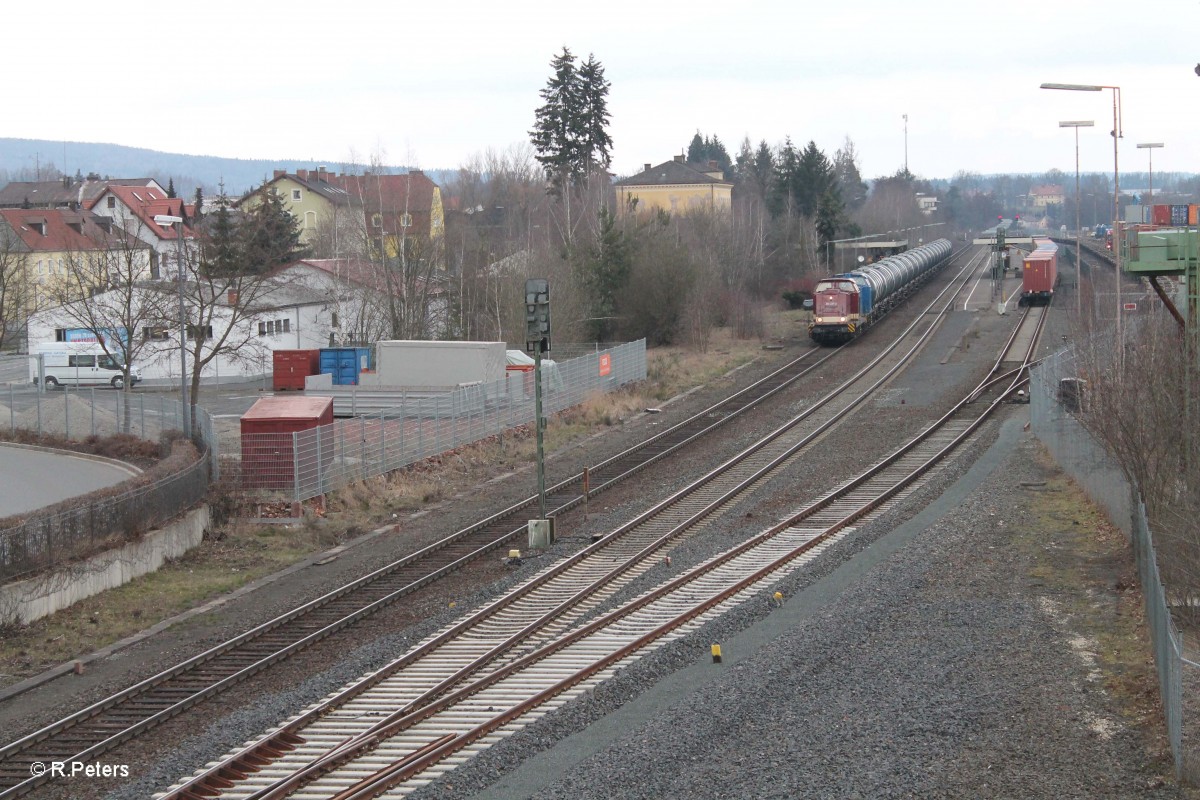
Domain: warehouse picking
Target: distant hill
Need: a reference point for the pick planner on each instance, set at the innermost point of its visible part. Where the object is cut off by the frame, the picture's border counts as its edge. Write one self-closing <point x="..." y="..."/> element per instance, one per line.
<point x="46" y="159"/>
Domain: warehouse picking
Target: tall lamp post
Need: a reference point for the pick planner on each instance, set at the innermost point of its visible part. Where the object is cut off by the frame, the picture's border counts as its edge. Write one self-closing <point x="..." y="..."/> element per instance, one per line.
<point x="1116" y="134"/>
<point x="168" y="220"/>
<point x="1150" y="146"/>
<point x="1077" y="124"/>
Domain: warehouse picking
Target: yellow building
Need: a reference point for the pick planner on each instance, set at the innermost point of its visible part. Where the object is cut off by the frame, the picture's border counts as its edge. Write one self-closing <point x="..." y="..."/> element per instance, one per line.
<point x="369" y="208"/>
<point x="675" y="187"/>
<point x="1046" y="195"/>
<point x="308" y="195"/>
<point x="63" y="254"/>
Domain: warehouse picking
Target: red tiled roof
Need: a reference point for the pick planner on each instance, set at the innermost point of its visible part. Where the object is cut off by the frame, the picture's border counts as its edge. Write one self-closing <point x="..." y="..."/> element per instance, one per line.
<point x="146" y="203"/>
<point x="50" y="229"/>
<point x="390" y="196"/>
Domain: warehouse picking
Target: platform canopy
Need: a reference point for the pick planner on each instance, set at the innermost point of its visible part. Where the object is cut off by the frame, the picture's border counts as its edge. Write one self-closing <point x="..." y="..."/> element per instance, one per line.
<point x="898" y="245"/>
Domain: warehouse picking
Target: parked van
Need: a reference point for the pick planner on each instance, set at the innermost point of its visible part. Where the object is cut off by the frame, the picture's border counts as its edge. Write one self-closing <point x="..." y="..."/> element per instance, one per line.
<point x="79" y="364"/>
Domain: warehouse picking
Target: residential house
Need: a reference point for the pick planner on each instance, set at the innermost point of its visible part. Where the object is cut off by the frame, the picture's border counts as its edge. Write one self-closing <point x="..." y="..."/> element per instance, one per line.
<point x="321" y="206"/>
<point x="676" y="187"/>
<point x="134" y="209"/>
<point x="345" y="215"/>
<point x="66" y="192"/>
<point x="1046" y="195"/>
<point x="927" y="203"/>
<point x="69" y="253"/>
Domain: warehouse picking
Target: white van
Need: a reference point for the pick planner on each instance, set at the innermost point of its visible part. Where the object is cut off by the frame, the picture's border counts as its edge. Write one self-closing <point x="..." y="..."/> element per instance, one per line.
<point x="79" y="364"/>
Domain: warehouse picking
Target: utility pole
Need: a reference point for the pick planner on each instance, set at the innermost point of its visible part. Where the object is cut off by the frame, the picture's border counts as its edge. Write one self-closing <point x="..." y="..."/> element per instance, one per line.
<point x="906" y="145"/>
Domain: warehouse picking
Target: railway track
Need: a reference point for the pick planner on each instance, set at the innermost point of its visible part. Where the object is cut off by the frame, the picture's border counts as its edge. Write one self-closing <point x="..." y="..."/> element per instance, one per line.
<point x="467" y="686"/>
<point x="116" y="719"/>
<point x="107" y="724"/>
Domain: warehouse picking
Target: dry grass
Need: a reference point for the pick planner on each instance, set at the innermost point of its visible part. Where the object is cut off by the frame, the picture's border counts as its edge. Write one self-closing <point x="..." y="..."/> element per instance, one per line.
<point x="242" y="553"/>
<point x="1085" y="563"/>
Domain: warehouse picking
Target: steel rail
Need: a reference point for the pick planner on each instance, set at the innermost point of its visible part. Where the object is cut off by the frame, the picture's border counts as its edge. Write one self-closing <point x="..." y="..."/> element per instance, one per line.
<point x="235" y="762"/>
<point x="408" y="716"/>
<point x="18" y="755"/>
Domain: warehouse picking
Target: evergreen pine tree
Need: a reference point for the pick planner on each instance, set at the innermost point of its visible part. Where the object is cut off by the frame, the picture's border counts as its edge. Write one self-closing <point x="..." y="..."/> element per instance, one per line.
<point x="786" y="178"/>
<point x="270" y="235"/>
<point x="570" y="133"/>
<point x="198" y="201"/>
<point x="696" y="150"/>
<point x="222" y="249"/>
<point x="594" y="116"/>
<point x="556" y="130"/>
<point x="607" y="270"/>
<point x="815" y="176"/>
<point x="170" y="187"/>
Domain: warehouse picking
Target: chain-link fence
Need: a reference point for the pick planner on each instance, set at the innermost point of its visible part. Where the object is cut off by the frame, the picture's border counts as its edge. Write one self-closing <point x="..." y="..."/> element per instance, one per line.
<point x="1055" y="393"/>
<point x="309" y="463"/>
<point x="43" y="539"/>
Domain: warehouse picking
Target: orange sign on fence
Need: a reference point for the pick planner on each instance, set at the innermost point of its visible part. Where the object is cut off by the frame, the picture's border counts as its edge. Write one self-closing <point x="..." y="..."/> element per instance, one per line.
<point x="605" y="364"/>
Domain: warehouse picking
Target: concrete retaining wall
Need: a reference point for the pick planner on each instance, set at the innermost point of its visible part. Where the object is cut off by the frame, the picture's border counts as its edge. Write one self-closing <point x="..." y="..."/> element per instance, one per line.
<point x="28" y="600"/>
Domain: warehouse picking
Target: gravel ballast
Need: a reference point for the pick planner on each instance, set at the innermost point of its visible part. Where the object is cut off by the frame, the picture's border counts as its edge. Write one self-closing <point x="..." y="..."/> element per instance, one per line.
<point x="942" y="659"/>
<point x="920" y="658"/>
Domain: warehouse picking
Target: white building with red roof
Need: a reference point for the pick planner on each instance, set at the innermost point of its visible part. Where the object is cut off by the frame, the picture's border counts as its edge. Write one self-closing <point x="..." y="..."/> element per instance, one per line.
<point x="134" y="209"/>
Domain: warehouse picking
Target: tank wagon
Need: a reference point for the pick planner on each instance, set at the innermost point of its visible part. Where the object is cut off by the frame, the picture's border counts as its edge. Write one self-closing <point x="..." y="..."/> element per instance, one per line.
<point x="845" y="305"/>
<point x="1039" y="273"/>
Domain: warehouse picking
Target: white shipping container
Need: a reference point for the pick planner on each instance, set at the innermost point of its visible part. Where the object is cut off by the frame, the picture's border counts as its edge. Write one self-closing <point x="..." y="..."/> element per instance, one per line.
<point x="441" y="364"/>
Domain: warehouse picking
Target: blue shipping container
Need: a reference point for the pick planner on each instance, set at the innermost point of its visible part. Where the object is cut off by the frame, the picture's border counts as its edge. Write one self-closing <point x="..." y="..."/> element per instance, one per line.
<point x="344" y="363"/>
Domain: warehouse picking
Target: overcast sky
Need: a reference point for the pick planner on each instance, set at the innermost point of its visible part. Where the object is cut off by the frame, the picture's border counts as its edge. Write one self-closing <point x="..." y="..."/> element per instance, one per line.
<point x="433" y="83"/>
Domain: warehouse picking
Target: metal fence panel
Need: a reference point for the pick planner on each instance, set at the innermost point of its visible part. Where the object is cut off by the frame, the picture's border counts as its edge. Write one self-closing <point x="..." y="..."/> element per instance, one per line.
<point x="1084" y="458"/>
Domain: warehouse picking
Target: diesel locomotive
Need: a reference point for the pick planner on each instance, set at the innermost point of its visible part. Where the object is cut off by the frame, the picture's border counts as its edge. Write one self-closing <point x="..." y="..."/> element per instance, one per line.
<point x="845" y="305"/>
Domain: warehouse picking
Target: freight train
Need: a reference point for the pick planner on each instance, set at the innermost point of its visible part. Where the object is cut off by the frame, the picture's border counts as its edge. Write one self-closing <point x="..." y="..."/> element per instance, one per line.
<point x="846" y="305"/>
<point x="1039" y="273"/>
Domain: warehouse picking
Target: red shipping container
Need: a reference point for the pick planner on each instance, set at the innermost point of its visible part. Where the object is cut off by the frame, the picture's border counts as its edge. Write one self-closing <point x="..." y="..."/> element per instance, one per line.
<point x="269" y="458"/>
<point x="291" y="367"/>
<point x="1162" y="215"/>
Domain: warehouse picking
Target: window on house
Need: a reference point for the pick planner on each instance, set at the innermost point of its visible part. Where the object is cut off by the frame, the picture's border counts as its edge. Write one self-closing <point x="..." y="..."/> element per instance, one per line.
<point x="406" y="220"/>
<point x="262" y="329"/>
<point x="155" y="333"/>
<point x="112" y="201"/>
<point x="60" y="334"/>
<point x="205" y="331"/>
<point x="295" y="195"/>
<point x="310" y="219"/>
<point x="287" y="325"/>
<point x="333" y="323"/>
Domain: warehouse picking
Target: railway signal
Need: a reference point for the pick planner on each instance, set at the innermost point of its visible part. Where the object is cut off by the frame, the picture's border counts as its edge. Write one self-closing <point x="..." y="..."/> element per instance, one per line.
<point x="537" y="341"/>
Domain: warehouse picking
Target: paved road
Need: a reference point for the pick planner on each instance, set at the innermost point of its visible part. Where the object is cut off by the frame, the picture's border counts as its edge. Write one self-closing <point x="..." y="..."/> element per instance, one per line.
<point x="32" y="479"/>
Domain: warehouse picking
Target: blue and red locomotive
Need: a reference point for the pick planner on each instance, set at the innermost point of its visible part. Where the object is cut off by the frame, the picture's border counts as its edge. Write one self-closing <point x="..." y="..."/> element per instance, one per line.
<point x="845" y="305"/>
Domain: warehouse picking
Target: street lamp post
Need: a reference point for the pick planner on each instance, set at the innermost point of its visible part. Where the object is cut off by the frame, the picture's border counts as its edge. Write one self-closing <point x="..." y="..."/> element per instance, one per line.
<point x="1116" y="134"/>
<point x="1077" y="124"/>
<point x="1150" y="146"/>
<point x="171" y="220"/>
